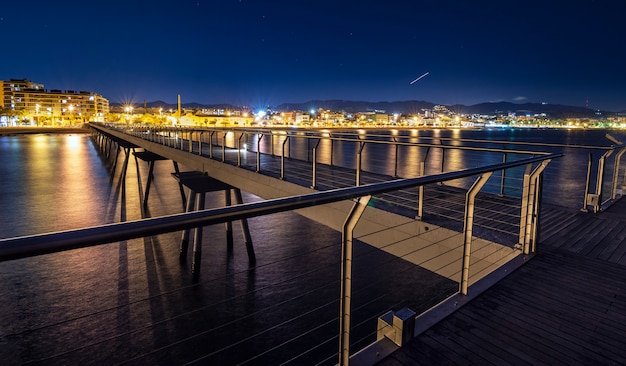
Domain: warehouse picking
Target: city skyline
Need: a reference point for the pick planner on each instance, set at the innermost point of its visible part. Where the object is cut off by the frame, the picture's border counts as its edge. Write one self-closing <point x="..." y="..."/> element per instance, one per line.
<point x="255" y="53"/>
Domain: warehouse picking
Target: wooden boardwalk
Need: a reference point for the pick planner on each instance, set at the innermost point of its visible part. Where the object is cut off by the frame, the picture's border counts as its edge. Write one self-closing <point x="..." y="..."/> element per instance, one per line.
<point x="567" y="306"/>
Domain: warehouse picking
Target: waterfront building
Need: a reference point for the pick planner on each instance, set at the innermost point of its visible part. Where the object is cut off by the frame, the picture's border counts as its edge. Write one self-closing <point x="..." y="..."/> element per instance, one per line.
<point x="209" y="118"/>
<point x="26" y="102"/>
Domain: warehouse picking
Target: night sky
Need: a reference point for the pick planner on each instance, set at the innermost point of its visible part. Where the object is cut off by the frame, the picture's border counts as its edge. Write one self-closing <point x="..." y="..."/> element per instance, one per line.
<point x="255" y="53"/>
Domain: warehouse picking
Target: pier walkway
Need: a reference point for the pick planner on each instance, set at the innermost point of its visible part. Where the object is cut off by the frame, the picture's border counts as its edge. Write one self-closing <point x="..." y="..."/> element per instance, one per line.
<point x="284" y="308"/>
<point x="566" y="306"/>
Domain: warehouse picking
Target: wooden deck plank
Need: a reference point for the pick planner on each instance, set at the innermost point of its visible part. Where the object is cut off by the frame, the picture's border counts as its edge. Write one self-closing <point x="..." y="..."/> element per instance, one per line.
<point x="565" y="306"/>
<point x="610" y="242"/>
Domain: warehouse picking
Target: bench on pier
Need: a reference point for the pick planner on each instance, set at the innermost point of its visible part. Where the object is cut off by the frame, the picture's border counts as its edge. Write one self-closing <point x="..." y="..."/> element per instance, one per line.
<point x="151" y="158"/>
<point x="200" y="183"/>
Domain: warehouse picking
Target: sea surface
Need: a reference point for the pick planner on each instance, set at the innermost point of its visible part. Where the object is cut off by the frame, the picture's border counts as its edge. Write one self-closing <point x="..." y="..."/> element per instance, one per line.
<point x="134" y="303"/>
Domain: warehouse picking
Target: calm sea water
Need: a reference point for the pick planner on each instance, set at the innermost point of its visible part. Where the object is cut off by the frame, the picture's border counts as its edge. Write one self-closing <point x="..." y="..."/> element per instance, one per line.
<point x="132" y="302"/>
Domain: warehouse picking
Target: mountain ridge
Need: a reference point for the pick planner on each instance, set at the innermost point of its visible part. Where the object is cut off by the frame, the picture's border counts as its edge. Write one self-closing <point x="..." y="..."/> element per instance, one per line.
<point x="413" y="107"/>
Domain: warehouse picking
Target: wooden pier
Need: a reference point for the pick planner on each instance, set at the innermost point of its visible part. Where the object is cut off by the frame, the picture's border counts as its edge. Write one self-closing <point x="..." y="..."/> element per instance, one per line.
<point x="566" y="306"/>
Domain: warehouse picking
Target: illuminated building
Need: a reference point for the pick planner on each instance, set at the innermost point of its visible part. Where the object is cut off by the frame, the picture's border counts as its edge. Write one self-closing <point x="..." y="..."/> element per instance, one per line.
<point x="31" y="103"/>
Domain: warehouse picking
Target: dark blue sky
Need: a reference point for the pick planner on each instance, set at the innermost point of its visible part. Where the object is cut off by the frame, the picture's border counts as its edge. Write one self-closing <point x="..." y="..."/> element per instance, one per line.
<point x="252" y="52"/>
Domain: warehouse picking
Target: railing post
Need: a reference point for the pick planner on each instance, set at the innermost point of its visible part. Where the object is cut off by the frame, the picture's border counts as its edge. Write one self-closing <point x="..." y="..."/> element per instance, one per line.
<point x="420" y="193"/>
<point x="346" y="277"/>
<point x="332" y="143"/>
<point x="443" y="156"/>
<point x="600" y="180"/>
<point x="200" y="143"/>
<point x="537" y="222"/>
<point x="616" y="166"/>
<point x="524" y="208"/>
<point x="529" y="211"/>
<point x="314" y="174"/>
<point x="282" y="159"/>
<point x="503" y="176"/>
<point x="587" y="182"/>
<point x="395" y="170"/>
<point x="239" y="149"/>
<point x="211" y="144"/>
<point x="420" y="189"/>
<point x="358" y="163"/>
<point x="224" y="146"/>
<point x="258" y="152"/>
<point x="468" y="224"/>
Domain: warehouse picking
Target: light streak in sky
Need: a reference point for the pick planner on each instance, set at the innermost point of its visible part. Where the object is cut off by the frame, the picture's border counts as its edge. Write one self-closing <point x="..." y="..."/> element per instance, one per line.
<point x="426" y="73"/>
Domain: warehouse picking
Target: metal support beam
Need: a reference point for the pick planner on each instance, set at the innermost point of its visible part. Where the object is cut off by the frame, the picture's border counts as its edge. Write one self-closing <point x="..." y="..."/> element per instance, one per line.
<point x="616" y="166"/>
<point x="282" y="159"/>
<point x="600" y="180"/>
<point x="528" y="213"/>
<point x="358" y="163"/>
<point x="346" y="277"/>
<point x="258" y="153"/>
<point x="314" y="165"/>
<point x="468" y="224"/>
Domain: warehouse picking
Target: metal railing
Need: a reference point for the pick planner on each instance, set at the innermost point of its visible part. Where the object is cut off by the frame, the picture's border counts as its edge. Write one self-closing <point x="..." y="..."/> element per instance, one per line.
<point x="34" y="245"/>
<point x="428" y="156"/>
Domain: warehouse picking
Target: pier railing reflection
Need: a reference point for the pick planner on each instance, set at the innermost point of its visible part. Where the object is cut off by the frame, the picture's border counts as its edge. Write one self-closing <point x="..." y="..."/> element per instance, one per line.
<point x="449" y="262"/>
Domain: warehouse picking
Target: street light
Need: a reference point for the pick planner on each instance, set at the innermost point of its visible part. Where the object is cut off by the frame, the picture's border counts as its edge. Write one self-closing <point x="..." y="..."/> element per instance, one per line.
<point x="129" y="110"/>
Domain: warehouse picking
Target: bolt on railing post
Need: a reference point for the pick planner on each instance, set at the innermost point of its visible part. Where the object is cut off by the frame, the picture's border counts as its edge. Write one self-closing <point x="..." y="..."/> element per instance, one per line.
<point x="258" y="152"/>
<point x="282" y="159"/>
<point x="314" y="174"/>
<point x="468" y="224"/>
<point x="346" y="277"/>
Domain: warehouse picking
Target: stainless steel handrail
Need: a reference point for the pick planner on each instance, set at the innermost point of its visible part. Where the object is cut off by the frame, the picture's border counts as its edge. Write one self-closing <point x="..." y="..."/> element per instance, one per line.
<point x="590" y="199"/>
<point x="28" y="246"/>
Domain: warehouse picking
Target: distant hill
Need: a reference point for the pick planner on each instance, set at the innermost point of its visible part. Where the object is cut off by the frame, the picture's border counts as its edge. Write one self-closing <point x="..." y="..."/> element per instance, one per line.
<point x="552" y="110"/>
<point x="411" y="107"/>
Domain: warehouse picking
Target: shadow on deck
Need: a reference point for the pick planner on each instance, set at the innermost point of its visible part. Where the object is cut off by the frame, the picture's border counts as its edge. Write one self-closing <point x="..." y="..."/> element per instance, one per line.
<point x="565" y="306"/>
